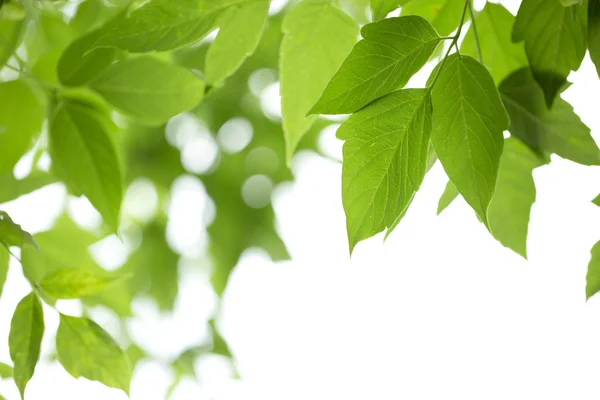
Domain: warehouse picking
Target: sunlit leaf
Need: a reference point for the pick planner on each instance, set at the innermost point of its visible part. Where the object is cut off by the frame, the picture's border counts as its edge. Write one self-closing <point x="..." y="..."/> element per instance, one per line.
<point x="74" y="283"/>
<point x="391" y="51"/>
<point x="85" y="349"/>
<point x="444" y="15"/>
<point x="313" y="30"/>
<point x="450" y="193"/>
<point x="6" y="371"/>
<point x="24" y="341"/>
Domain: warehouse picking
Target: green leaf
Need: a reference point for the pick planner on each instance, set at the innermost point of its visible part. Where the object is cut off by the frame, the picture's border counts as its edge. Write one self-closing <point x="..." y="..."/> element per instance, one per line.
<point x="239" y="34"/>
<point x="51" y="32"/>
<point x="594" y="32"/>
<point x="12" y="25"/>
<point x="390" y="53"/>
<point x="499" y="53"/>
<point x="450" y="193"/>
<point x="317" y="38"/>
<point x="159" y="25"/>
<point x="11" y="188"/>
<point x="596" y="200"/>
<point x="75" y="283"/>
<point x="77" y="66"/>
<point x="468" y="124"/>
<point x="81" y="148"/>
<point x="515" y="194"/>
<point x="593" y="274"/>
<point x="21" y="121"/>
<point x="381" y="8"/>
<point x="12" y="234"/>
<point x="558" y="130"/>
<point x="555" y="41"/>
<point x="149" y="89"/>
<point x="385" y="160"/>
<point x="6" y="371"/>
<point x="85" y="349"/>
<point x="4" y="261"/>
<point x="444" y="15"/>
<point x="567" y="3"/>
<point x="91" y="14"/>
<point x="25" y="338"/>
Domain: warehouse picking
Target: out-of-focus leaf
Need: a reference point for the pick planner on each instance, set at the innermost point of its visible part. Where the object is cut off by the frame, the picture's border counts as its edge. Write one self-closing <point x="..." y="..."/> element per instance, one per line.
<point x="444" y="15"/>
<point x="12" y="24"/>
<point x="21" y="118"/>
<point x="81" y="147"/>
<point x="91" y="14"/>
<point x="49" y="32"/>
<point x="593" y="34"/>
<point x="4" y="261"/>
<point x="381" y="8"/>
<point x="148" y="89"/>
<point x="332" y="35"/>
<point x="77" y="67"/>
<point x="593" y="274"/>
<point x="596" y="200"/>
<point x="25" y="339"/>
<point x="85" y="349"/>
<point x="11" y="188"/>
<point x="11" y="234"/>
<point x="239" y="33"/>
<point x="74" y="283"/>
<point x="6" y="371"/>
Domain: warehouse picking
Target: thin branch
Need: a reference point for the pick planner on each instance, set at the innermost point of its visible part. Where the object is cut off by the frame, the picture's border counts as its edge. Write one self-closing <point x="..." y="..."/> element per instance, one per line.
<point x="474" y="26"/>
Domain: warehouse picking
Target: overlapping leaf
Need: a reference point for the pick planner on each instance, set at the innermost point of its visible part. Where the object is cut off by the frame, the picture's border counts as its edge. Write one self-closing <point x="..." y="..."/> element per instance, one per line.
<point x="468" y="124"/>
<point x="385" y="160"/>
<point x="391" y="52"/>
<point x="444" y="15"/>
<point x="593" y="34"/>
<point x="558" y="130"/>
<point x="555" y="41"/>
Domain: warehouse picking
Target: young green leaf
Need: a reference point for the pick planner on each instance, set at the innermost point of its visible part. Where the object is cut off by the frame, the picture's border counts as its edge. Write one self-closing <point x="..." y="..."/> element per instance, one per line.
<point x="558" y="130"/>
<point x="74" y="283"/>
<point x="159" y="25"/>
<point x="593" y="273"/>
<point x="381" y="8"/>
<point x="594" y="32"/>
<point x="85" y="349"/>
<point x="390" y="53"/>
<point x="81" y="148"/>
<point x="468" y="124"/>
<point x="4" y="261"/>
<point x="21" y="121"/>
<point x="317" y="37"/>
<point x="385" y="160"/>
<point x="12" y="26"/>
<point x="12" y="234"/>
<point x="78" y="66"/>
<point x="444" y="15"/>
<point x="6" y="371"/>
<point x="25" y="338"/>
<point x="499" y="53"/>
<point x="239" y="34"/>
<point x="515" y="194"/>
<point x="450" y="193"/>
<point x="555" y="41"/>
<point x="148" y="89"/>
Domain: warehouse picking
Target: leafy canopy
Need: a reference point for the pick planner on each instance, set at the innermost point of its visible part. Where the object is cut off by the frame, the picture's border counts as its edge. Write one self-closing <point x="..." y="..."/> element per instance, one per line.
<point x="120" y="94"/>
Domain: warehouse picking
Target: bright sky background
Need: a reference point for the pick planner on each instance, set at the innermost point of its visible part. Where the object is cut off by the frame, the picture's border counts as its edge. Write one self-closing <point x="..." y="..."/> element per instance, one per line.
<point x="440" y="311"/>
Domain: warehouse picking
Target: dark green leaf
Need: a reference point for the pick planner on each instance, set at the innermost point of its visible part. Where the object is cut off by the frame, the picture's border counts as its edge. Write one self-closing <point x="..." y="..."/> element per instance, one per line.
<point x="81" y="147"/>
<point x="6" y="371"/>
<point x="12" y="234"/>
<point x="594" y="32"/>
<point x="85" y="349"/>
<point x="160" y="25"/>
<point x="318" y="31"/>
<point x="499" y="53"/>
<point x="558" y="130"/>
<point x="26" y="331"/>
<point x="444" y="15"/>
<point x="450" y="193"/>
<point x="239" y="33"/>
<point x="391" y="51"/>
<point x="468" y="124"/>
<point x="21" y="121"/>
<point x="593" y="274"/>
<point x="555" y="41"/>
<point x="149" y="89"/>
<point x="515" y="194"/>
<point x="12" y="24"/>
<point x="74" y="283"/>
<point x="385" y="160"/>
